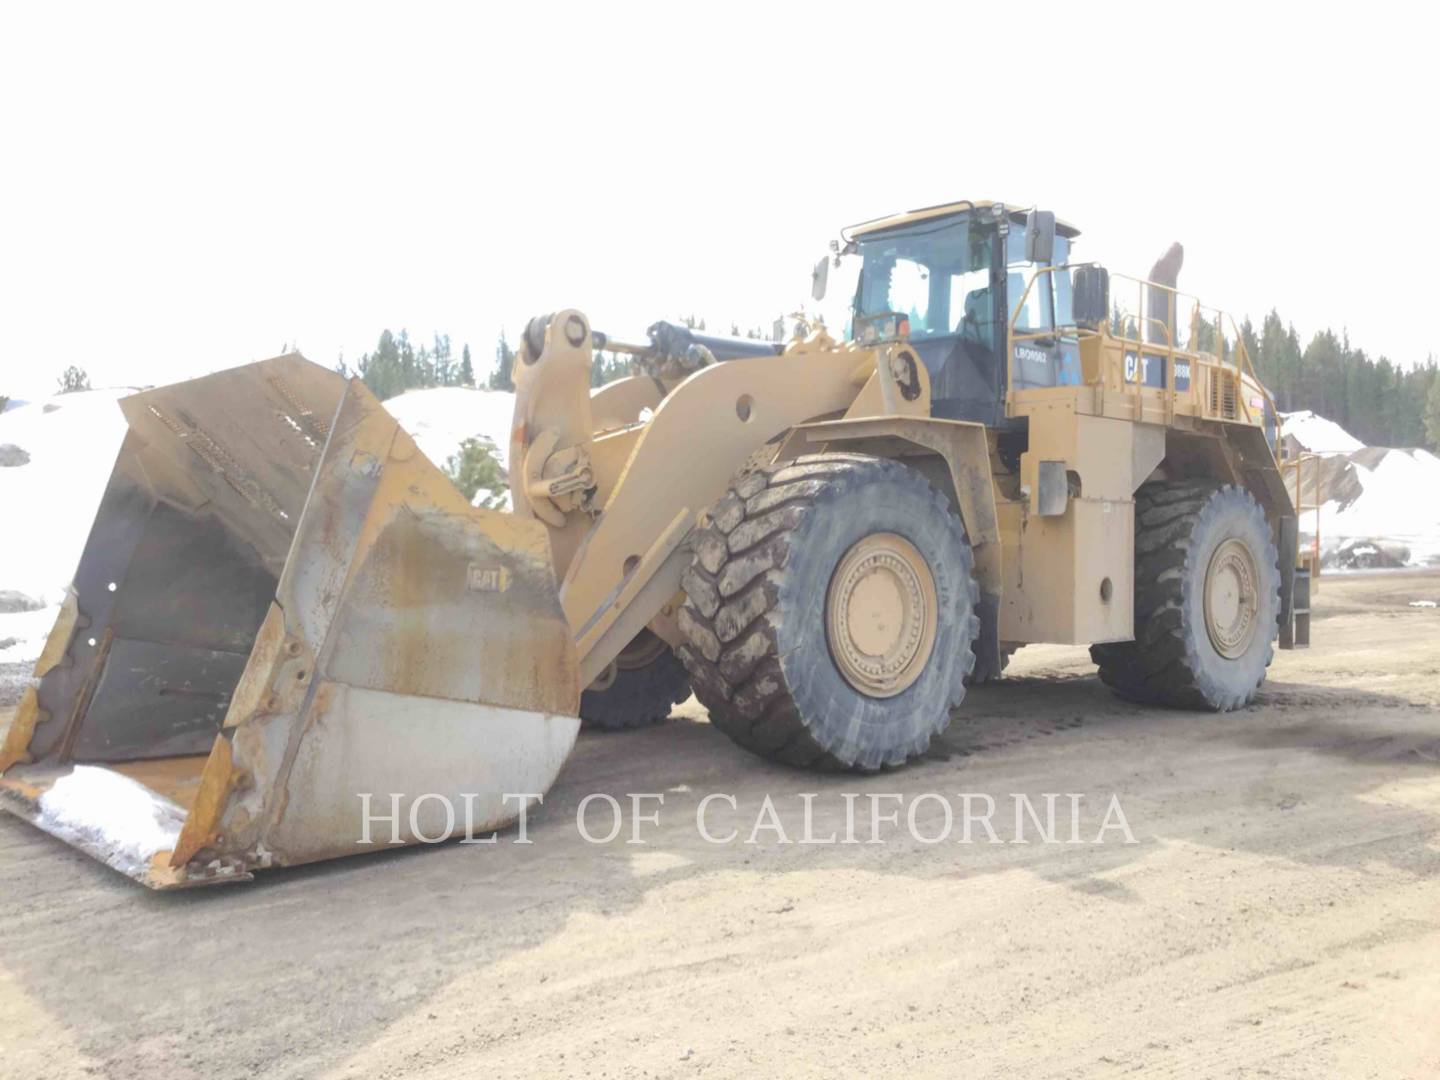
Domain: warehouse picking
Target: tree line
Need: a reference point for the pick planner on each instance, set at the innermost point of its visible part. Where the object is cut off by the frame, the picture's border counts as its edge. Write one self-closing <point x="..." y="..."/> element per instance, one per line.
<point x="396" y="365"/>
<point x="1373" y="398"/>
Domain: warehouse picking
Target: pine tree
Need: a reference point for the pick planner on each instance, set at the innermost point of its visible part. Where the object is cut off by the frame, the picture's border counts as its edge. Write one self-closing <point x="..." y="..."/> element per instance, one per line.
<point x="1409" y="401"/>
<point x="1419" y="388"/>
<point x="502" y="378"/>
<point x="1252" y="344"/>
<point x="444" y="366"/>
<point x="1273" y="360"/>
<point x="405" y="353"/>
<point x="606" y="369"/>
<point x="73" y="379"/>
<point x="1432" y="411"/>
<point x="1290" y="359"/>
<point x="467" y="369"/>
<point x="382" y="369"/>
<point x="475" y="469"/>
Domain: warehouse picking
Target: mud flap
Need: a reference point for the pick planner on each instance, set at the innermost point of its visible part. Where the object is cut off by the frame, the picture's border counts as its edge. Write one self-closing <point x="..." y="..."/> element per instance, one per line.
<point x="989" y="660"/>
<point x="1287" y="529"/>
<point x="284" y="615"/>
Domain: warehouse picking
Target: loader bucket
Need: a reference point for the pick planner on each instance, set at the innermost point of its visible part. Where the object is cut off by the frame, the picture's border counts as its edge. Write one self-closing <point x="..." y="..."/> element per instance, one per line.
<point x="286" y="616"/>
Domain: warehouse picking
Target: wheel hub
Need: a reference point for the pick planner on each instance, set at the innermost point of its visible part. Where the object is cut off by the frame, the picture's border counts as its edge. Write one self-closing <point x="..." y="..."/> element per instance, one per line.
<point x="643" y="651"/>
<point x="881" y="615"/>
<point x="1232" y="598"/>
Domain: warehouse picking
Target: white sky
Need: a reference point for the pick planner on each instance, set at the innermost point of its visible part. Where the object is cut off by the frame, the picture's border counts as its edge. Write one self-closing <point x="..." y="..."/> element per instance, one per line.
<point x="186" y="187"/>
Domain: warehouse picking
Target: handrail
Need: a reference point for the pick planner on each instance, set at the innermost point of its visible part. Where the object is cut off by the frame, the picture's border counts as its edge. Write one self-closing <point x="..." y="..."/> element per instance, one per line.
<point x="1297" y="464"/>
<point x="1242" y="363"/>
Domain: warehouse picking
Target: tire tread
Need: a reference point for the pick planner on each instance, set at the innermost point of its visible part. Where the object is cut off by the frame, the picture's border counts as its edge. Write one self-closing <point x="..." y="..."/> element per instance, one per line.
<point x="734" y="665"/>
<point x="1163" y="665"/>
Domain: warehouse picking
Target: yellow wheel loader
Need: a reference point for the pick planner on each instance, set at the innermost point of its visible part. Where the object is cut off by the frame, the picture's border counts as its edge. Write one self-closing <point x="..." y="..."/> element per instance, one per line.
<point x="286" y="621"/>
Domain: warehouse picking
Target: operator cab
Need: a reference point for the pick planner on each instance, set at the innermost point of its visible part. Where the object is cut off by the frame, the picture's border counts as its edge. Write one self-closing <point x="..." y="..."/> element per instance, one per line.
<point x="948" y="278"/>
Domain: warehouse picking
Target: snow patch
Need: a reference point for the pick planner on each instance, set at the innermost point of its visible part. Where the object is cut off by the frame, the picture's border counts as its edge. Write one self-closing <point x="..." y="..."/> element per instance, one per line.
<point x="1399" y="503"/>
<point x="23" y="633"/>
<point x="49" y="502"/>
<point x="1317" y="434"/>
<point x="441" y="418"/>
<point x="116" y="819"/>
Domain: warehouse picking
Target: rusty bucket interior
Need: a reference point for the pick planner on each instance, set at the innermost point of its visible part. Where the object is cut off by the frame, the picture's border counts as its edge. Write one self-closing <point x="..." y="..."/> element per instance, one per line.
<point x="281" y="607"/>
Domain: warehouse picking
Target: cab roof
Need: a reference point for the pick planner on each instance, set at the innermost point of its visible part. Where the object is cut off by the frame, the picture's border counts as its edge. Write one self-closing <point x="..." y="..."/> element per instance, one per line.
<point x="909" y="217"/>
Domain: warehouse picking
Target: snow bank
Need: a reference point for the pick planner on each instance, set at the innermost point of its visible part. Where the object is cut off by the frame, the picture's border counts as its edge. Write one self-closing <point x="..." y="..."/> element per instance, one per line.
<point x="1317" y="434"/>
<point x="23" y="634"/>
<point x="48" y="503"/>
<point x="1399" y="503"/>
<point x="441" y="418"/>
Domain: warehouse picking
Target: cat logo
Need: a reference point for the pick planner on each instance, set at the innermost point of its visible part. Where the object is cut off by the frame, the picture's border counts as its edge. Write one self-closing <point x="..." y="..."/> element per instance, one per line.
<point x="487" y="578"/>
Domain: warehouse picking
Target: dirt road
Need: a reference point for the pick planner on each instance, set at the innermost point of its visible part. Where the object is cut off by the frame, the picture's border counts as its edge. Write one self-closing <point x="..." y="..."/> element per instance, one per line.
<point x="1277" y="915"/>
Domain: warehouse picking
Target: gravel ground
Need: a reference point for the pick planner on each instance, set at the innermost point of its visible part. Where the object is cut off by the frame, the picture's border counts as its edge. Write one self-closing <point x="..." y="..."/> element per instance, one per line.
<point x="1277" y="915"/>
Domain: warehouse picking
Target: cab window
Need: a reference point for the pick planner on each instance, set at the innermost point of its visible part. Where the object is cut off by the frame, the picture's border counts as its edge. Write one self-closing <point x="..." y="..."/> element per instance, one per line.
<point x="934" y="272"/>
<point x="909" y="293"/>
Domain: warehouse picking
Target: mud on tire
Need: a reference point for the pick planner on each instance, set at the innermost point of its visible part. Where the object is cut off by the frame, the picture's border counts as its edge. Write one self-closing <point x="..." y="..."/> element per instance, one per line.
<point x="1186" y="532"/>
<point x="755" y="615"/>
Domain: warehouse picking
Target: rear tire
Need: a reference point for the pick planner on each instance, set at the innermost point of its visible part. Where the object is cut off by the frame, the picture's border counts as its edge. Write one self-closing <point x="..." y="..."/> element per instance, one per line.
<point x="996" y="672"/>
<point x="649" y="681"/>
<point x="1207" y="599"/>
<point x="830" y="612"/>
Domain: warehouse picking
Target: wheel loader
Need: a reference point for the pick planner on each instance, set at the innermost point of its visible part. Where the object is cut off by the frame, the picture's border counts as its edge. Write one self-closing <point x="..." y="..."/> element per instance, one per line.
<point x="284" y="613"/>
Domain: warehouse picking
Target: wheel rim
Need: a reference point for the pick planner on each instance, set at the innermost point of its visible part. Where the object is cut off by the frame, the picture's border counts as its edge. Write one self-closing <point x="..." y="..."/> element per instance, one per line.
<point x="1232" y="598"/>
<point x="643" y="651"/>
<point x="881" y="615"/>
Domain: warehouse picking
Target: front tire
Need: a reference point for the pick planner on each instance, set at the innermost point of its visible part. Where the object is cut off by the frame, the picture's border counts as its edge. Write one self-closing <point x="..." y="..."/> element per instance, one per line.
<point x="647" y="682"/>
<point x="830" y="612"/>
<point x="1207" y="599"/>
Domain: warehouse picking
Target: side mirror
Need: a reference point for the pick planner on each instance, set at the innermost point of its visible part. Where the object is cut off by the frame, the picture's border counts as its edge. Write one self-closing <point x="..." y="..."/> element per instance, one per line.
<point x="1039" y="236"/>
<point x="819" y="277"/>
<point x="1090" y="289"/>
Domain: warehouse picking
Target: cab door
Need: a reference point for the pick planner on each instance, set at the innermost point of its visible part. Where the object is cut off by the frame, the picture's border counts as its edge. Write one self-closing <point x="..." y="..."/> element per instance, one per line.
<point x="1044" y="350"/>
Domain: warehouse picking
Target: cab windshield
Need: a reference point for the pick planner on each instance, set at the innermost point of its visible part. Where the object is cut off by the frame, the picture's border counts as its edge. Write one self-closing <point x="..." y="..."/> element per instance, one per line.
<point x="936" y="273"/>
